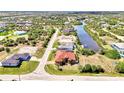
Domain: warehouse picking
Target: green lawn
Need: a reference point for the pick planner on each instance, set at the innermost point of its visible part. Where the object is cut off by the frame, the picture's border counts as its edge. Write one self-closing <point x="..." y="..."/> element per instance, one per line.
<point x="14" y="37"/>
<point x="52" y="55"/>
<point x="56" y="44"/>
<point x="6" y="33"/>
<point x="53" y="70"/>
<point x="39" y="53"/>
<point x="26" y="67"/>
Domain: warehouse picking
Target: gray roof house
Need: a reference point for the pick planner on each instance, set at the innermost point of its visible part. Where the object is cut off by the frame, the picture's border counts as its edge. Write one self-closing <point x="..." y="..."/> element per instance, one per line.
<point x="11" y="62"/>
<point x="68" y="47"/>
<point x="119" y="47"/>
<point x="16" y="59"/>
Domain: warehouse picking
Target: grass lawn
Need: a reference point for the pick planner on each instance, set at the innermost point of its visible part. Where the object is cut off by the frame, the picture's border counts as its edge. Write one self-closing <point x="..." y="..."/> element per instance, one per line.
<point x="26" y="67"/>
<point x="39" y="53"/>
<point x="108" y="47"/>
<point x="14" y="37"/>
<point x="6" y="33"/>
<point x="56" y="44"/>
<point x="53" y="70"/>
<point x="51" y="55"/>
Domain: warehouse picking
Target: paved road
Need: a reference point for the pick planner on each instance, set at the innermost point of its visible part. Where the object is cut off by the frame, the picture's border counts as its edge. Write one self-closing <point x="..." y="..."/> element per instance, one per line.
<point x="40" y="74"/>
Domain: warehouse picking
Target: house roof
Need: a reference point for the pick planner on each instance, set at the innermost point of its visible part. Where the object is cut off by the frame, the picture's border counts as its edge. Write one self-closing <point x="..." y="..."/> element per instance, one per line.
<point x="119" y="45"/>
<point x="11" y="61"/>
<point x="20" y="56"/>
<point x="66" y="47"/>
<point x="61" y="54"/>
<point x="16" y="59"/>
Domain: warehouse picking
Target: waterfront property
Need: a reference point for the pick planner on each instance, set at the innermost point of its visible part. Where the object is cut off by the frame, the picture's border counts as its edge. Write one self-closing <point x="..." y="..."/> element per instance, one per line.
<point x="16" y="59"/>
<point x="119" y="47"/>
<point x="66" y="43"/>
<point x="68" y="30"/>
<point x="66" y="40"/>
<point x="63" y="57"/>
<point x="68" y="47"/>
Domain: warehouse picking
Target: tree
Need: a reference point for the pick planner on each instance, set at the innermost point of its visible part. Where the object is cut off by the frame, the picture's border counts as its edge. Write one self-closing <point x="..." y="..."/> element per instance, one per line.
<point x="87" y="52"/>
<point x="94" y="68"/>
<point x="7" y="50"/>
<point x="120" y="67"/>
<point x="100" y="69"/>
<point x="87" y="68"/>
<point x="2" y="49"/>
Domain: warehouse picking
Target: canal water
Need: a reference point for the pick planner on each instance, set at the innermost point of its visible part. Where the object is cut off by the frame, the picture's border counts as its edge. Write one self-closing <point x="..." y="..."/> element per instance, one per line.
<point x="85" y="39"/>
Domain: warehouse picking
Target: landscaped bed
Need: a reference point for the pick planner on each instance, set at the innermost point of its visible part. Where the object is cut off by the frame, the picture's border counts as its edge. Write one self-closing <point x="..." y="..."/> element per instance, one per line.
<point x="24" y="68"/>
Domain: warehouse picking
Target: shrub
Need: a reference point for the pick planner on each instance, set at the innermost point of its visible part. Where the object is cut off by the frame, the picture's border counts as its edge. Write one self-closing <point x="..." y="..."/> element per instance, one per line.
<point x="99" y="69"/>
<point x="21" y="40"/>
<point x="120" y="67"/>
<point x="87" y="68"/>
<point x="2" y="49"/>
<point x="7" y="50"/>
<point x="87" y="52"/>
<point x="92" y="69"/>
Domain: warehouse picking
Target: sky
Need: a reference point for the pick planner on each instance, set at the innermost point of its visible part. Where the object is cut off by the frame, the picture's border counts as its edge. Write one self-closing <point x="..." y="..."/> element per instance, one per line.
<point x="60" y="5"/>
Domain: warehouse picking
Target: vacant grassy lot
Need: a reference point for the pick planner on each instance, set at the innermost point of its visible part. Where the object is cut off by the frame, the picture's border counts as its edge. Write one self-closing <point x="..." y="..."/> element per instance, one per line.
<point x="39" y="53"/>
<point x="105" y="62"/>
<point x="26" y="67"/>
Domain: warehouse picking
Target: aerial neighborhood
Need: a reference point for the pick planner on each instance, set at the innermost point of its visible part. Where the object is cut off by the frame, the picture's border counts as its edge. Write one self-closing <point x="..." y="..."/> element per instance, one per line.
<point x="43" y="44"/>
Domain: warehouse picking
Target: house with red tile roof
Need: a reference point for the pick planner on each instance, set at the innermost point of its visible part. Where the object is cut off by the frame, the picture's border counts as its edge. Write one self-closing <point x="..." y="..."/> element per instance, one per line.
<point x="63" y="57"/>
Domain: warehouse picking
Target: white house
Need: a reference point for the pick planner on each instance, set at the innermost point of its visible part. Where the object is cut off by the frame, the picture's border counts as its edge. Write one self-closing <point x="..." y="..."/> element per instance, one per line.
<point x="119" y="47"/>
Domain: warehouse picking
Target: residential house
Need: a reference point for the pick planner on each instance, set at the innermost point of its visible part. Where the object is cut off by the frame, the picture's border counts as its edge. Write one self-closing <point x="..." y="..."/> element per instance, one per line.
<point x="68" y="47"/>
<point x="119" y="47"/>
<point x="66" y="43"/>
<point x="65" y="39"/>
<point x="16" y="59"/>
<point x="11" y="62"/>
<point x="23" y="57"/>
<point x="67" y="30"/>
<point x="63" y="57"/>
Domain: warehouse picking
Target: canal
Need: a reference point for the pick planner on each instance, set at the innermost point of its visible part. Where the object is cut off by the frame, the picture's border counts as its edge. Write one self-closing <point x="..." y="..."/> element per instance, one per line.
<point x="85" y="39"/>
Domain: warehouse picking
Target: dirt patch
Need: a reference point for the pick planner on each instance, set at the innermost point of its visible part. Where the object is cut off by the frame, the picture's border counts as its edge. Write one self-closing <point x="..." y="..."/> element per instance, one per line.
<point x="3" y="55"/>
